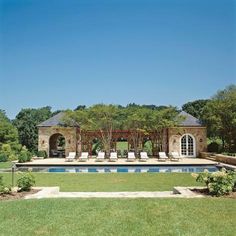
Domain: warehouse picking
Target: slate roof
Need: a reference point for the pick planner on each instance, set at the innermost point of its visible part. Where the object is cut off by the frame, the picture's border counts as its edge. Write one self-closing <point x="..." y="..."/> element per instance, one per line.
<point x="53" y="121"/>
<point x="189" y="120"/>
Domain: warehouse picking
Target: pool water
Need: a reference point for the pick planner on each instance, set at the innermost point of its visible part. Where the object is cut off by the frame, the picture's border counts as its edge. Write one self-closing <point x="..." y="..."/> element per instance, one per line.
<point x="123" y="169"/>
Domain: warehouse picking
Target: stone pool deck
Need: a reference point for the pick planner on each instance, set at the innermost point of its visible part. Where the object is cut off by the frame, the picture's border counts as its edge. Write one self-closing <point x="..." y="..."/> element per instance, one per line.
<point x="54" y="192"/>
<point x="119" y="162"/>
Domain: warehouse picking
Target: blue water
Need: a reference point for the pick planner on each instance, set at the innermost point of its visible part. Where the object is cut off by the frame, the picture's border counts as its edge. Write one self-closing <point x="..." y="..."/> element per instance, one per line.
<point x="126" y="169"/>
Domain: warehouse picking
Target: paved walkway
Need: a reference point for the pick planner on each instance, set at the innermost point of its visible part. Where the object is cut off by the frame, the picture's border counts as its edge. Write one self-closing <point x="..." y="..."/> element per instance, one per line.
<point x="53" y="192"/>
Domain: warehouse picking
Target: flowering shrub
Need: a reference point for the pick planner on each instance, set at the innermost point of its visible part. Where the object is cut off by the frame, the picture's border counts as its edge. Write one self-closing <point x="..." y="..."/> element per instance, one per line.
<point x="218" y="183"/>
<point x="25" y="182"/>
<point x="3" y="188"/>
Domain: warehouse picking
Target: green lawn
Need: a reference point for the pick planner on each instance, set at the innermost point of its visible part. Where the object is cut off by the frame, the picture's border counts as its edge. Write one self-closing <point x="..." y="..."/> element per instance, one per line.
<point x="112" y="181"/>
<point x="149" y="217"/>
<point x="5" y="165"/>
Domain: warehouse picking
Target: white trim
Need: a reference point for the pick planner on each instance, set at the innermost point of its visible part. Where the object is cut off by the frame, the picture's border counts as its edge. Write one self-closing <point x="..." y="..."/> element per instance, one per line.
<point x="194" y="145"/>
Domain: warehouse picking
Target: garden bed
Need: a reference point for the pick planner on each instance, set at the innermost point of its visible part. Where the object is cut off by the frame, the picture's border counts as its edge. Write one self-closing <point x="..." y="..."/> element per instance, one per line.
<point x="205" y="193"/>
<point x="17" y="195"/>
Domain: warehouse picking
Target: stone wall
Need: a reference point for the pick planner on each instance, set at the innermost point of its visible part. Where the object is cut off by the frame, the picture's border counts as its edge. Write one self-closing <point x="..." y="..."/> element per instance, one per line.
<point x="199" y="134"/>
<point x="219" y="157"/>
<point x="70" y="134"/>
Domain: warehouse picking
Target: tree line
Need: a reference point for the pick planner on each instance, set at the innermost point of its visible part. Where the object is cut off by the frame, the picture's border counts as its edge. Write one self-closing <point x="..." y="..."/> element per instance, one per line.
<point x="217" y="113"/>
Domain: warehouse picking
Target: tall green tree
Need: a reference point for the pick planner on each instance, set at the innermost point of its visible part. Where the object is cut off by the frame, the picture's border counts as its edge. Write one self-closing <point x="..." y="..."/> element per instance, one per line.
<point x="8" y="133"/>
<point x="195" y="108"/>
<point x="220" y="117"/>
<point x="159" y="121"/>
<point x="26" y="123"/>
<point x="100" y="117"/>
<point x="136" y="121"/>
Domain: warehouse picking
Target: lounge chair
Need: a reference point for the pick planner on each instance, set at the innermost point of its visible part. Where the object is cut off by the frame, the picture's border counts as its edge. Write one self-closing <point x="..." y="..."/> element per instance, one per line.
<point x="131" y="156"/>
<point x="113" y="156"/>
<point x="84" y="156"/>
<point x="175" y="156"/>
<point x="71" y="156"/>
<point x="143" y="156"/>
<point x="162" y="156"/>
<point x="100" y="156"/>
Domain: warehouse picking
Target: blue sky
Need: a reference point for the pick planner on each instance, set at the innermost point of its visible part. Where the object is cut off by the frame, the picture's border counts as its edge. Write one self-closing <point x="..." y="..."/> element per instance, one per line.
<point x="64" y="53"/>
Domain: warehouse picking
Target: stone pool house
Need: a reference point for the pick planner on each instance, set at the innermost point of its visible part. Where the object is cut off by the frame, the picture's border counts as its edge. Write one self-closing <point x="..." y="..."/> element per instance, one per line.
<point x="189" y="138"/>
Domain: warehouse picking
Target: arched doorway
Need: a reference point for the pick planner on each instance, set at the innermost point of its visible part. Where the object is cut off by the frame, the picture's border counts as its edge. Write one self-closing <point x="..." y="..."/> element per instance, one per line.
<point x="57" y="145"/>
<point x="188" y="146"/>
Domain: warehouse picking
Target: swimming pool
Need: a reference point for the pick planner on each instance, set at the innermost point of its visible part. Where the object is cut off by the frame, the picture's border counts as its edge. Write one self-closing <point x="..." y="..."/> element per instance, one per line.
<point x="122" y="169"/>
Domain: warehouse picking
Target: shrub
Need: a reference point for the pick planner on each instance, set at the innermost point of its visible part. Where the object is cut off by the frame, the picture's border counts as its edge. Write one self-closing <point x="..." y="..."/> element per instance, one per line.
<point x="3" y="188"/>
<point x="24" y="156"/>
<point x="218" y="183"/>
<point x="3" y="157"/>
<point x="213" y="147"/>
<point x="25" y="182"/>
<point x="6" y="153"/>
<point x="42" y="154"/>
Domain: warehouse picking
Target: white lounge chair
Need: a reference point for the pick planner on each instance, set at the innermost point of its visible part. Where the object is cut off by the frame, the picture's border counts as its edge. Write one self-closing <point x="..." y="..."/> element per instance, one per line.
<point x="131" y="156"/>
<point x="100" y="156"/>
<point x="71" y="156"/>
<point x="84" y="156"/>
<point x="175" y="156"/>
<point x="113" y="156"/>
<point x="162" y="156"/>
<point x="143" y="156"/>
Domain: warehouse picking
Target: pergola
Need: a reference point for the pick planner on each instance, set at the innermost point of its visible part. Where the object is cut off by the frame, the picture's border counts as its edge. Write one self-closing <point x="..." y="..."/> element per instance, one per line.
<point x="88" y="136"/>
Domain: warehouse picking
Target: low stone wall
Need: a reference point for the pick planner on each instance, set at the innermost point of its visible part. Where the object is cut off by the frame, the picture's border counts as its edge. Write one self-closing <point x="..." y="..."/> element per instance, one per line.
<point x="219" y="157"/>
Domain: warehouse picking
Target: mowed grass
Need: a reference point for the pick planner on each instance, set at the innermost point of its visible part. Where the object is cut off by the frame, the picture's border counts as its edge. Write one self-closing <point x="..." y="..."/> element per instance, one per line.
<point x="5" y="165"/>
<point x="110" y="182"/>
<point x="188" y="217"/>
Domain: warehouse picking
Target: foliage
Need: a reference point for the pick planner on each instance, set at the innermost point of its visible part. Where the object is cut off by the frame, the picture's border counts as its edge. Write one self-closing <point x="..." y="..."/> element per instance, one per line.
<point x="219" y="115"/>
<point x="159" y="121"/>
<point x="80" y="107"/>
<point x="24" y="155"/>
<point x="26" y="181"/>
<point x="8" y="133"/>
<point x="26" y="122"/>
<point x="148" y="148"/>
<point x="137" y="119"/>
<point x="3" y="187"/>
<point x="8" y="153"/>
<point x="3" y="157"/>
<point x="97" y="146"/>
<point x="195" y="108"/>
<point x="218" y="183"/>
<point x="98" y="117"/>
<point x="42" y="154"/>
<point x="213" y="147"/>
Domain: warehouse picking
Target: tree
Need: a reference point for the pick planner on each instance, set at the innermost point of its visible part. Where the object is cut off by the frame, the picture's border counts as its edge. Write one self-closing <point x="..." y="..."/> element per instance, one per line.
<point x="80" y="107"/>
<point x="195" y="108"/>
<point x="159" y="121"/>
<point x="26" y="123"/>
<point x="8" y="133"/>
<point x="103" y="118"/>
<point x="219" y="115"/>
<point x="136" y="122"/>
